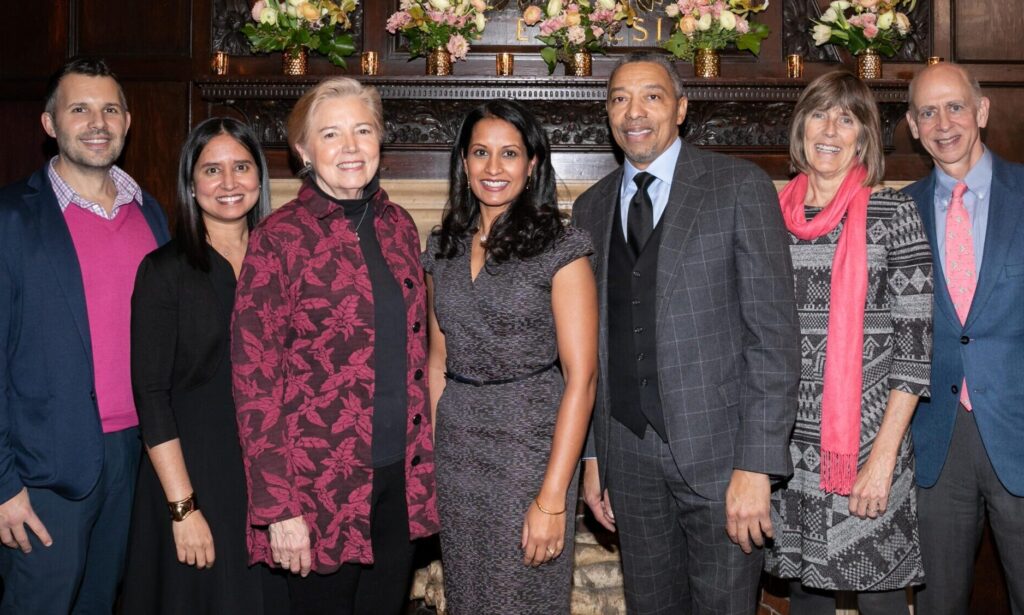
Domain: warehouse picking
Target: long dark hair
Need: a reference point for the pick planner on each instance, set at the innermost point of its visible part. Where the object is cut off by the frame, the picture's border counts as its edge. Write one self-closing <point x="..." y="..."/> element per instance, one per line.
<point x="532" y="222"/>
<point x="190" y="230"/>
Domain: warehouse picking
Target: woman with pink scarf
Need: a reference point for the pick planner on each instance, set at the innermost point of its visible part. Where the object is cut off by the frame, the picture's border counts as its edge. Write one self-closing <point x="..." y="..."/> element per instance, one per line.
<point x="846" y="522"/>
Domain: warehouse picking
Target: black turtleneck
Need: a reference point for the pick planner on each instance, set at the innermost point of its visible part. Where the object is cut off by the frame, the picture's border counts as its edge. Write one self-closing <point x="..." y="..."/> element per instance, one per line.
<point x="390" y="397"/>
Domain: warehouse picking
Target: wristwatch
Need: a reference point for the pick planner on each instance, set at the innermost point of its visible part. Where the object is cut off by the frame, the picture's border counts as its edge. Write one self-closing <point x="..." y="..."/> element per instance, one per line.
<point x="183" y="508"/>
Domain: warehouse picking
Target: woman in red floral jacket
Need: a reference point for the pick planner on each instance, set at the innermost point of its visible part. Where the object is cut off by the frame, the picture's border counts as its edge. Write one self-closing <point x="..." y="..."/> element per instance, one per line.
<point x="329" y="353"/>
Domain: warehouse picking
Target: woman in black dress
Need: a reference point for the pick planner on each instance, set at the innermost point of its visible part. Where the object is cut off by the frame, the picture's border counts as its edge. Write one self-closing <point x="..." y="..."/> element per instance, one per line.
<point x="187" y="550"/>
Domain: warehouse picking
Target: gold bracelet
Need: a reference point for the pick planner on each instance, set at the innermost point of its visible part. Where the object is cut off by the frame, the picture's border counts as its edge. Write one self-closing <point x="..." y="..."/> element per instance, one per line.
<point x="547" y="512"/>
<point x="183" y="508"/>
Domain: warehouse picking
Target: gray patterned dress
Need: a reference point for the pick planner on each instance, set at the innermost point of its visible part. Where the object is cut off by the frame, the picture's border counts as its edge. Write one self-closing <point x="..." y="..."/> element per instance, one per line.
<point x="493" y="441"/>
<point x="817" y="540"/>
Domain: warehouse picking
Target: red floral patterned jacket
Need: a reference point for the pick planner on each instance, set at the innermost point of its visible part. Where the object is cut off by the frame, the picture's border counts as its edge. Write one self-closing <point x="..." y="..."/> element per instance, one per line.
<point x="302" y="354"/>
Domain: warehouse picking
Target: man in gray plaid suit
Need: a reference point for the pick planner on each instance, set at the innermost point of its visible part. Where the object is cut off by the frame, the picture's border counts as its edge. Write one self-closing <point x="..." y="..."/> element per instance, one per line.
<point x="699" y="357"/>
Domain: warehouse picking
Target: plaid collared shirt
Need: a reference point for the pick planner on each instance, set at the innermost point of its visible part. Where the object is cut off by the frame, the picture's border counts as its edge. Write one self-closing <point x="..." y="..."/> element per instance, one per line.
<point x="127" y="191"/>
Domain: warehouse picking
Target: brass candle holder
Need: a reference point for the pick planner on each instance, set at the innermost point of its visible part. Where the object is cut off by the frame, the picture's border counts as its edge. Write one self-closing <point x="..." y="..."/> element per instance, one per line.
<point x="369" y="61"/>
<point x="219" y="63"/>
<point x="794" y="66"/>
<point x="934" y="60"/>
<point x="504" y="64"/>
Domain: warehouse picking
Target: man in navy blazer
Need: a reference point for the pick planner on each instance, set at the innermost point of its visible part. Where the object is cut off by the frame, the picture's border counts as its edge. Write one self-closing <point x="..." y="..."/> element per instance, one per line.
<point x="71" y="237"/>
<point x="970" y="447"/>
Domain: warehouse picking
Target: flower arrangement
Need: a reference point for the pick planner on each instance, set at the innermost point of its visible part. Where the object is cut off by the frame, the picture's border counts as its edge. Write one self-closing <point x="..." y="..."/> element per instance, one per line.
<point x="713" y="25"/>
<point x="567" y="28"/>
<point x="430" y="24"/>
<point x="319" y="25"/>
<point x="863" y="25"/>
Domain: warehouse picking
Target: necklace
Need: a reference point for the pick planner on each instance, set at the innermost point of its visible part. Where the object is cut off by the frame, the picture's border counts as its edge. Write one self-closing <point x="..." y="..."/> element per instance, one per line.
<point x="366" y="208"/>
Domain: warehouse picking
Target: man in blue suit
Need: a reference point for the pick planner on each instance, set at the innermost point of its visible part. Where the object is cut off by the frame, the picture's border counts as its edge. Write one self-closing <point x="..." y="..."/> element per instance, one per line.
<point x="969" y="437"/>
<point x="71" y="238"/>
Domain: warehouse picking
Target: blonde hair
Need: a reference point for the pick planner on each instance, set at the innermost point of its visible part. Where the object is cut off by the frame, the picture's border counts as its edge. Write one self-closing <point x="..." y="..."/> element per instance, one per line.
<point x="334" y="87"/>
<point x="844" y="90"/>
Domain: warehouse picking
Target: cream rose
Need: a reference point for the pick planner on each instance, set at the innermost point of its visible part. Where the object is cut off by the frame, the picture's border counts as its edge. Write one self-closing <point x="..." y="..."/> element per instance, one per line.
<point x="606" y="4"/>
<point x="687" y="25"/>
<point x="704" y="23"/>
<point x="822" y="34"/>
<point x="727" y="20"/>
<point x="902" y="23"/>
<point x="573" y="19"/>
<point x="554" y="7"/>
<point x="441" y="5"/>
<point x="309" y="12"/>
<point x="480" y="21"/>
<point x="672" y="10"/>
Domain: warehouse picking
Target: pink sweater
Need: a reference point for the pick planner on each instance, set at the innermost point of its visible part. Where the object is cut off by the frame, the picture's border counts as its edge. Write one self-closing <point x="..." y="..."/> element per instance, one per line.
<point x="109" y="253"/>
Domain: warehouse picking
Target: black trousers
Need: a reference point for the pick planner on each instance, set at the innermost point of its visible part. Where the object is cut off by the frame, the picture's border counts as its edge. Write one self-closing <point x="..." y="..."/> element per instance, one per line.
<point x="381" y="588"/>
<point x="951" y="514"/>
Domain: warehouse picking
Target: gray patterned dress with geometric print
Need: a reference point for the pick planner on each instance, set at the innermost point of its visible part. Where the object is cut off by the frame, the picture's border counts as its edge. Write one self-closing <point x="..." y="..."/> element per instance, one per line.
<point x="817" y="540"/>
<point x="493" y="442"/>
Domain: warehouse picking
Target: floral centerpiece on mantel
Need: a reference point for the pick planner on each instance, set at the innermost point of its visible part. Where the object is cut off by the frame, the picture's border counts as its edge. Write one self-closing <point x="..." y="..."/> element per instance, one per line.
<point x="571" y="31"/>
<point x="295" y="25"/>
<point x="434" y="25"/>
<point x="703" y="27"/>
<point x="864" y="26"/>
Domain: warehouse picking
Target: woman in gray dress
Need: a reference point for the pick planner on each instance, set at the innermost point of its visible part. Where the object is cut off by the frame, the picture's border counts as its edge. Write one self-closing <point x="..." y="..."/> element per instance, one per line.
<point x="847" y="519"/>
<point x="513" y="355"/>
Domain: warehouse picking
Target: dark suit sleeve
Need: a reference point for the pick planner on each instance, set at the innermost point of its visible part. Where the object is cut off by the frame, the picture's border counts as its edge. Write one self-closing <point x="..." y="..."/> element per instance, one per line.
<point x="10" y="480"/>
<point x="154" y="338"/>
<point x="589" y="445"/>
<point x="771" y="353"/>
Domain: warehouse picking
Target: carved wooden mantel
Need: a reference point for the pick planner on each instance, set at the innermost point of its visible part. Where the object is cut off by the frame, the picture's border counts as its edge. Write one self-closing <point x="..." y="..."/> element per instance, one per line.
<point x="746" y="117"/>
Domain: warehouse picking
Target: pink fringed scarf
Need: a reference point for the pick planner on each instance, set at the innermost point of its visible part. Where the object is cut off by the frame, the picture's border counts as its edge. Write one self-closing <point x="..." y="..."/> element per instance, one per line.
<point x="844" y="349"/>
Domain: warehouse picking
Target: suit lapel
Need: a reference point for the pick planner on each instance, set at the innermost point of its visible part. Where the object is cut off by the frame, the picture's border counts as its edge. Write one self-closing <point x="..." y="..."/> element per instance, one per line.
<point x="684" y="202"/>
<point x="57" y="244"/>
<point x="1003" y="218"/>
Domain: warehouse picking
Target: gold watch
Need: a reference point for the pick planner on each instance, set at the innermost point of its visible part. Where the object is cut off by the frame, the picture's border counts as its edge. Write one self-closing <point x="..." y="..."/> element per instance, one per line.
<point x="183" y="508"/>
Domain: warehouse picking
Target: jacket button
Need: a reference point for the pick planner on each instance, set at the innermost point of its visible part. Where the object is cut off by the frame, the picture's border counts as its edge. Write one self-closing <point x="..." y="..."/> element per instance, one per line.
<point x="415" y="461"/>
<point x="417" y="419"/>
<point x="965" y="340"/>
<point x="636" y="274"/>
<point x="643" y="382"/>
<point x="92" y="395"/>
<point x="635" y="302"/>
<point x="418" y="374"/>
<point x="416" y="327"/>
<point x="638" y="330"/>
<point x="408" y="283"/>
<point x="640" y="356"/>
<point x="955" y="389"/>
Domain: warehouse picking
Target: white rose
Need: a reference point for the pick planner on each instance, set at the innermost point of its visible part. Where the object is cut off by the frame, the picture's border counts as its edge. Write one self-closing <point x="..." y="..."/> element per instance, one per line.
<point x="440" y="5"/>
<point x="672" y="10"/>
<point x="840" y="5"/>
<point x="481" y="22"/>
<point x="885" y="20"/>
<point x="606" y="4"/>
<point x="704" y="23"/>
<point x="822" y="34"/>
<point x="830" y="15"/>
<point x="902" y="23"/>
<point x="268" y="16"/>
<point x="728" y="20"/>
<point x="554" y="7"/>
<point x="295" y="2"/>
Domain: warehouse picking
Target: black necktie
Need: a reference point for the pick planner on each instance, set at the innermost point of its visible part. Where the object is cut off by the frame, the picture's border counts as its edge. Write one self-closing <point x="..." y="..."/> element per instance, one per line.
<point x="640" y="220"/>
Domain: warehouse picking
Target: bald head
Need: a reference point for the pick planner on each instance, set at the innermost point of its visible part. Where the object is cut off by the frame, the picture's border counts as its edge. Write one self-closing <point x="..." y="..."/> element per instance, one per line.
<point x="944" y="72"/>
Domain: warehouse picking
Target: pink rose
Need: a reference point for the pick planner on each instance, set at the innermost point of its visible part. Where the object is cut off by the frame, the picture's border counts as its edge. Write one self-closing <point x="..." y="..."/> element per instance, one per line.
<point x="458" y="46"/>
<point x="532" y="15"/>
<point x="597" y="30"/>
<point x="398" y="21"/>
<point x="257" y="9"/>
<point x="576" y="35"/>
<point x="870" y="31"/>
<point x="742" y="25"/>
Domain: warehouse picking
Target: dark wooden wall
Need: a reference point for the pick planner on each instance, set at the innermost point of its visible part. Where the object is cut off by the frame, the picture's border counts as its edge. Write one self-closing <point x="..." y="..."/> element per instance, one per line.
<point x="161" y="51"/>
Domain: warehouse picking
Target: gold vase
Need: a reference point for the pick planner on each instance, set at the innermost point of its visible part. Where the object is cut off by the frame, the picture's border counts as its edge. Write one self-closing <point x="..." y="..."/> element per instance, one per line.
<point x="295" y="61"/>
<point x="579" y="64"/>
<point x="869" y="65"/>
<point x="707" y="64"/>
<point x="439" y="62"/>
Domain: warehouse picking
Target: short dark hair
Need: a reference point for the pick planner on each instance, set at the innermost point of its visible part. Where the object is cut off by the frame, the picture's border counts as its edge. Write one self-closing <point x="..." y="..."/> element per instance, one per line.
<point x="841" y="89"/>
<point x="654" y="58"/>
<point x="90" y="67"/>
<point x="190" y="230"/>
<point x="532" y="222"/>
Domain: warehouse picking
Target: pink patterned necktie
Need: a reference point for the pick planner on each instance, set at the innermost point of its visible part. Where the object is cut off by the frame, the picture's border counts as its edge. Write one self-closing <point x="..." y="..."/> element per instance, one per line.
<point x="960" y="277"/>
